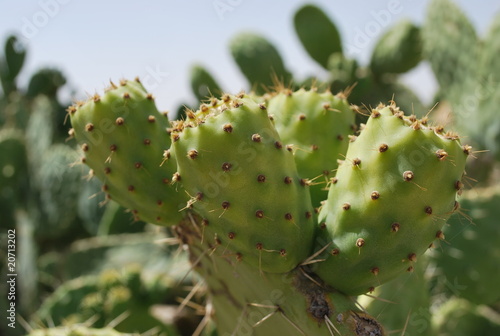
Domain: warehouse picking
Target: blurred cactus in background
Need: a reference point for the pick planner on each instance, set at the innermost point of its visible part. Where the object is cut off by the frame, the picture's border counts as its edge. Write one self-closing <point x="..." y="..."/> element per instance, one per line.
<point x="276" y="210"/>
<point x="44" y="197"/>
<point x="398" y="51"/>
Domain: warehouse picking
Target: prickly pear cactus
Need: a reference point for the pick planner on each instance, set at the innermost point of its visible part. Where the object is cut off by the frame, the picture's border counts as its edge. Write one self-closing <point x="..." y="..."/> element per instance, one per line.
<point x="45" y="82"/>
<point x="446" y="31"/>
<point x="389" y="200"/>
<point x="466" y="68"/>
<point x="260" y="212"/>
<point x="89" y="206"/>
<point x="259" y="61"/>
<point x="11" y="64"/>
<point x="318" y="34"/>
<point x="243" y="189"/>
<point x="398" y="50"/>
<point x="13" y="169"/>
<point x="123" y="130"/>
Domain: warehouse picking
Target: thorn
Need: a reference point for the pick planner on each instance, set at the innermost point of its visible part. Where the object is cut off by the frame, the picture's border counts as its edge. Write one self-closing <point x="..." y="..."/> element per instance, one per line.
<point x="330" y="326"/>
<point x="188" y="298"/>
<point x="310" y="278"/>
<point x="119" y="319"/>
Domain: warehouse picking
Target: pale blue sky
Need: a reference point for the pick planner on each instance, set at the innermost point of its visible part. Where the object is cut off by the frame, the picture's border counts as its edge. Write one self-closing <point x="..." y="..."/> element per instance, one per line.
<point x="94" y="41"/>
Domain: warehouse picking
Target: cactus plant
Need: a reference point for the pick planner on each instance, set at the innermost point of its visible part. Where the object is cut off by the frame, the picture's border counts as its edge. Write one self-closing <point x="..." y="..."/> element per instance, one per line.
<point x="398" y="50"/>
<point x="259" y="61"/>
<point x="468" y="79"/>
<point x="251" y="219"/>
<point x="11" y="64"/>
<point x="233" y="145"/>
<point x="287" y="205"/>
<point x="107" y="128"/>
<point x="318" y="34"/>
<point x="13" y="168"/>
<point x="41" y="195"/>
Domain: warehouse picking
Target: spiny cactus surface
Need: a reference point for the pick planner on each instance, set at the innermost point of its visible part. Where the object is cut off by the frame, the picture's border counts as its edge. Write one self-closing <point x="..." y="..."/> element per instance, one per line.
<point x="259" y="210"/>
<point x="124" y="137"/>
<point x="389" y="200"/>
<point x="317" y="127"/>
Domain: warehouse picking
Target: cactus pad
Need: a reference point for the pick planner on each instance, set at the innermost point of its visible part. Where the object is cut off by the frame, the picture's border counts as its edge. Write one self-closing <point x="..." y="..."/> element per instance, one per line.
<point x="318" y="34"/>
<point x="398" y="50"/>
<point x="123" y="137"/>
<point x="317" y="126"/>
<point x="258" y="60"/>
<point x="243" y="181"/>
<point x="389" y="200"/>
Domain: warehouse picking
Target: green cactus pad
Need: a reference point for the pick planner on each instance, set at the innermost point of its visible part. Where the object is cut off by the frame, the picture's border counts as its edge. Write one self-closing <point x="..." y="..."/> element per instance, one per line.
<point x="243" y="181"/>
<point x="389" y="200"/>
<point x="318" y="34"/>
<point x="11" y="65"/>
<point x="203" y="84"/>
<point x="398" y="50"/>
<point x="46" y="81"/>
<point x="259" y="61"/>
<point x="124" y="138"/>
<point x="14" y="184"/>
<point x="13" y="164"/>
<point x="317" y="126"/>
